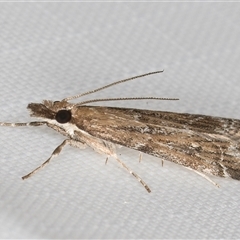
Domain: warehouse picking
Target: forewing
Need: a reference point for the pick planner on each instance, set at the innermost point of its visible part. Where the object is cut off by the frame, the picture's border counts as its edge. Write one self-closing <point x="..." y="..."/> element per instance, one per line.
<point x="204" y="143"/>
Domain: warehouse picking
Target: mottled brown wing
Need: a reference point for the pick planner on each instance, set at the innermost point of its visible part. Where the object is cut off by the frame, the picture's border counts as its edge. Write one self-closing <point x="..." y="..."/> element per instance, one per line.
<point x="207" y="144"/>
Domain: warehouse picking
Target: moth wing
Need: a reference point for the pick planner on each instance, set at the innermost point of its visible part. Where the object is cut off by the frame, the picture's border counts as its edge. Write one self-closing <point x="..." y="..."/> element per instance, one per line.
<point x="204" y="143"/>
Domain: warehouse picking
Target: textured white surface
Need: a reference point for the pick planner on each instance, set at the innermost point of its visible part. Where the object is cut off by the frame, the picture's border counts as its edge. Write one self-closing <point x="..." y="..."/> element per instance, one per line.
<point x="55" y="50"/>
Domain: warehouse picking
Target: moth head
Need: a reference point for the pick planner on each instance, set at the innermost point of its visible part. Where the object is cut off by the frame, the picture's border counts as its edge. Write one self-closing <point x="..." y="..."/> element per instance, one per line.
<point x="58" y="110"/>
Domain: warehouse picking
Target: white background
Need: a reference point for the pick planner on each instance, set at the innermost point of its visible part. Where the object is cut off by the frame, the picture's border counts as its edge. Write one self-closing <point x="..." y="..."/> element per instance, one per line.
<point x="55" y="50"/>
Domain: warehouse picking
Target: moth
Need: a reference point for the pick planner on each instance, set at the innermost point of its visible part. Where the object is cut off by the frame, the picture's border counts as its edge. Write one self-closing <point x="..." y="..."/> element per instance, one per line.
<point x="204" y="144"/>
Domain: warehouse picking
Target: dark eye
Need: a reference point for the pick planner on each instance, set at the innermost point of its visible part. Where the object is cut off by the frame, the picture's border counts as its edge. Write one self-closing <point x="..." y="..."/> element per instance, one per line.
<point x="63" y="116"/>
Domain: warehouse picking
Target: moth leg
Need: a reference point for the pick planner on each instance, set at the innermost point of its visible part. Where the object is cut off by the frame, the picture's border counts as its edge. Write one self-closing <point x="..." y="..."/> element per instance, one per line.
<point x="107" y="148"/>
<point x="135" y="175"/>
<point x="55" y="153"/>
<point x="140" y="157"/>
<point x="35" y="124"/>
<point x="58" y="129"/>
<point x="204" y="176"/>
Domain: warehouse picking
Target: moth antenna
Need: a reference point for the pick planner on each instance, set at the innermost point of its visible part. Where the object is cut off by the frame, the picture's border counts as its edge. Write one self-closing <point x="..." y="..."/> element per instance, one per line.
<point x="110" y="85"/>
<point x="123" y="99"/>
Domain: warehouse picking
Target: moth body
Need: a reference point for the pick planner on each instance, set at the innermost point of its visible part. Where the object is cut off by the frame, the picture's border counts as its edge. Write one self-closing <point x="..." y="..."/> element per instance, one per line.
<point x="195" y="141"/>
